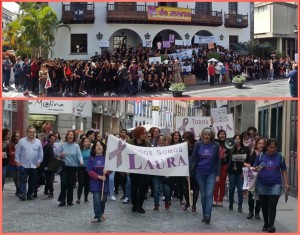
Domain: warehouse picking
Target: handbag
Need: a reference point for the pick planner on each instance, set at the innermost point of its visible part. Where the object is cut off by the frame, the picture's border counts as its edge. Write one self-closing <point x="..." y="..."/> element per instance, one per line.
<point x="56" y="166"/>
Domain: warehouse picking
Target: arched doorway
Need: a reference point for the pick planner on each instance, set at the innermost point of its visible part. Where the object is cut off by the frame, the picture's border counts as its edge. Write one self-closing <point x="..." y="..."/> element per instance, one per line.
<point x="123" y="39"/>
<point x="164" y="35"/>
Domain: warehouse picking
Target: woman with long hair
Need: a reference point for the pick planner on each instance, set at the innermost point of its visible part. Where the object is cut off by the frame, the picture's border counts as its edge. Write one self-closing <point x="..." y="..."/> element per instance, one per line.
<point x="71" y="156"/>
<point x="138" y="186"/>
<point x="269" y="182"/>
<point x="219" y="190"/>
<point x="5" y="152"/>
<point x="98" y="176"/>
<point x="258" y="149"/>
<point x="235" y="170"/>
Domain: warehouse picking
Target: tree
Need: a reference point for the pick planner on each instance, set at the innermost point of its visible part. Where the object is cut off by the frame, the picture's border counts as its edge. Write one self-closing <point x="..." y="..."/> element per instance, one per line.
<point x="34" y="29"/>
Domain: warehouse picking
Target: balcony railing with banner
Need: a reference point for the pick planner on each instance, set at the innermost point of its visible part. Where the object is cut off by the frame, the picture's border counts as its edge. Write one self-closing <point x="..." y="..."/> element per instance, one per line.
<point x="236" y="21"/>
<point x="78" y="13"/>
<point x="138" y="14"/>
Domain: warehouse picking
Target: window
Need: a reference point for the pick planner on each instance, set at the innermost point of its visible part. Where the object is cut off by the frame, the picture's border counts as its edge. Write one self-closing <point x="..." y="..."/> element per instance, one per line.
<point x="203" y="7"/>
<point x="276" y="125"/>
<point x="120" y="42"/>
<point x="233" y="39"/>
<point x="233" y="7"/>
<point x="79" y="43"/>
<point x="168" y="4"/>
<point x="263" y="123"/>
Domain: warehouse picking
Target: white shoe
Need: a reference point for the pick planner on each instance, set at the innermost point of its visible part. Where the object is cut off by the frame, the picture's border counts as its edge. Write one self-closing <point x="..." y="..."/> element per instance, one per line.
<point x="126" y="200"/>
<point x="113" y="198"/>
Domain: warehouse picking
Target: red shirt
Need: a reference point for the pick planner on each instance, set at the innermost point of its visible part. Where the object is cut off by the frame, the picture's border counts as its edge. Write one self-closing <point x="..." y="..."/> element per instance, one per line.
<point x="211" y="70"/>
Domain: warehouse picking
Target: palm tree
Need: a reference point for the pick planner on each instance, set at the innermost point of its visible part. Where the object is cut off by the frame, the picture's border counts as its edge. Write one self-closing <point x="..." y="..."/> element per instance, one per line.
<point x="35" y="28"/>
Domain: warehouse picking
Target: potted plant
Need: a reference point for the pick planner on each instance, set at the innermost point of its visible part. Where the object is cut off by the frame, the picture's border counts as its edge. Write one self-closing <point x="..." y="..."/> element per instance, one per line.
<point x="238" y="81"/>
<point x="177" y="89"/>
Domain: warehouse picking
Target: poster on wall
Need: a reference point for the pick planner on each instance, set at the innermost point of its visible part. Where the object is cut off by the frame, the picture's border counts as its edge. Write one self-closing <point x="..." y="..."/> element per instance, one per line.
<point x="103" y="44"/>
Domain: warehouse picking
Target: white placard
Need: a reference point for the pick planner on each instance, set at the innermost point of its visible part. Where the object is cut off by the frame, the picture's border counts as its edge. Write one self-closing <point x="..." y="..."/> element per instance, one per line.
<point x="197" y="124"/>
<point x="164" y="161"/>
<point x="154" y="60"/>
<point x="187" y="68"/>
<point x="187" y="42"/>
<point x="178" y="42"/>
<point x="221" y="103"/>
<point x="239" y="157"/>
<point x="249" y="178"/>
<point x="219" y="114"/>
<point x="103" y="44"/>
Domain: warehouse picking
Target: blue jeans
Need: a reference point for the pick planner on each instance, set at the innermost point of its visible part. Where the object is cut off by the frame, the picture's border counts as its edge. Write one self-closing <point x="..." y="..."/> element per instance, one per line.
<point x="206" y="185"/>
<point x="157" y="183"/>
<point x="99" y="206"/>
<point x="29" y="174"/>
<point x="111" y="183"/>
<point x="128" y="187"/>
<point x="4" y="171"/>
<point x="236" y="181"/>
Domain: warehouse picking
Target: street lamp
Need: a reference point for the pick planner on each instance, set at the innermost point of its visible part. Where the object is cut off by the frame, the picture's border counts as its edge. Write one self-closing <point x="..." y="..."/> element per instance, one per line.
<point x="147" y="36"/>
<point x="187" y="36"/>
<point x="221" y="37"/>
<point x="99" y="36"/>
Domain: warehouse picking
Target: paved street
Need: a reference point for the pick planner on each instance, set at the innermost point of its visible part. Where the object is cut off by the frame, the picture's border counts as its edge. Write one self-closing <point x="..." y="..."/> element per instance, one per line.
<point x="43" y="215"/>
<point x="251" y="89"/>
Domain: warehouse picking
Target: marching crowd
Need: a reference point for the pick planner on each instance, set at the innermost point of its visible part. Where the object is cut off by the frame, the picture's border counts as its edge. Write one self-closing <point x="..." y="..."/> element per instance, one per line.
<point x="126" y="72"/>
<point x="212" y="162"/>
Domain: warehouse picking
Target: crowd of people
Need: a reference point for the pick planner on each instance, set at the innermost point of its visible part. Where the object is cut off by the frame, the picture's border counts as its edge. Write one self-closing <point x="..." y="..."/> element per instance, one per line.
<point x="212" y="163"/>
<point x="127" y="72"/>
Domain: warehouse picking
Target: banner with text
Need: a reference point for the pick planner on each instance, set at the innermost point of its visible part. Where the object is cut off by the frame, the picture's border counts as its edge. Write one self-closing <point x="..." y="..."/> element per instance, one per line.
<point x="197" y="124"/>
<point x="163" y="13"/>
<point x="154" y="60"/>
<point x="163" y="161"/>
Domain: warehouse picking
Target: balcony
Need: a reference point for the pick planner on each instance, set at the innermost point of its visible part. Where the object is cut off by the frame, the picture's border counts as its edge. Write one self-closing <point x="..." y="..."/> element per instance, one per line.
<point x="78" y="13"/>
<point x="236" y="21"/>
<point x="138" y="14"/>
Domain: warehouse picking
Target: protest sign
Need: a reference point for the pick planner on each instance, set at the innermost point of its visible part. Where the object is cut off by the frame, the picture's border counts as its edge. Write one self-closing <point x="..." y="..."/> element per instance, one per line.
<point x="219" y="114"/>
<point x="249" y="178"/>
<point x="154" y="60"/>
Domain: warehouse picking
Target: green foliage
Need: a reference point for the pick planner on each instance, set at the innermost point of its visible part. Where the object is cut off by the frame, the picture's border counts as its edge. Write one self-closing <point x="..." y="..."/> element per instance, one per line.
<point x="238" y="79"/>
<point x="280" y="54"/>
<point x="262" y="50"/>
<point x="214" y="55"/>
<point x="34" y="29"/>
<point x="177" y="86"/>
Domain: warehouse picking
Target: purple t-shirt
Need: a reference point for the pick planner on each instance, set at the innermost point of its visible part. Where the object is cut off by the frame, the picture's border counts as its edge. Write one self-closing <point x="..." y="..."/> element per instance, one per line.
<point x="271" y="172"/>
<point x="206" y="157"/>
<point x="97" y="164"/>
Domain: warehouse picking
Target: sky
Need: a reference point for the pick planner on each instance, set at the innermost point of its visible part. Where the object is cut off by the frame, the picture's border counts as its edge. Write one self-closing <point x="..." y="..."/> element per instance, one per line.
<point x="11" y="6"/>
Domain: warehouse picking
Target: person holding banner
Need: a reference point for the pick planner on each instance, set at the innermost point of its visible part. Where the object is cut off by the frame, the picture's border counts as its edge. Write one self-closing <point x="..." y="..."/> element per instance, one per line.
<point x="249" y="162"/>
<point x="99" y="184"/>
<point x="269" y="182"/>
<point x="138" y="186"/>
<point x="205" y="162"/>
<point x="189" y="137"/>
<point x="177" y="71"/>
<point x="236" y="161"/>
<point x="219" y="190"/>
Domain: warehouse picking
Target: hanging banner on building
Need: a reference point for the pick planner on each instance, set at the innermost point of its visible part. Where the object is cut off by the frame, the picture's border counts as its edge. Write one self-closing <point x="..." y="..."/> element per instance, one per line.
<point x="163" y="13"/>
<point x="205" y="39"/>
<point x="103" y="44"/>
<point x="163" y="161"/>
<point x="154" y="60"/>
<point x="187" y="42"/>
<point x="197" y="124"/>
<point x="171" y="37"/>
<point x="147" y="43"/>
<point x="82" y="108"/>
<point x="166" y="44"/>
<point x="181" y="55"/>
<point x="249" y="178"/>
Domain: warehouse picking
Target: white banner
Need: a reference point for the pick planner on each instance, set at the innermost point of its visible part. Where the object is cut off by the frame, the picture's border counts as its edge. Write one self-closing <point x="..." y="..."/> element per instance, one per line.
<point x="154" y="60"/>
<point x="187" y="68"/>
<point x="147" y="43"/>
<point x="104" y="44"/>
<point x="178" y="42"/>
<point x="181" y="55"/>
<point x="219" y="114"/>
<point x="163" y="161"/>
<point x="249" y="178"/>
<point x="197" y="124"/>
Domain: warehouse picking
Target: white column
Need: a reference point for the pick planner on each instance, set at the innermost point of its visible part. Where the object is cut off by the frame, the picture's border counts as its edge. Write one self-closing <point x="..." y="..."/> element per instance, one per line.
<point x="155" y="114"/>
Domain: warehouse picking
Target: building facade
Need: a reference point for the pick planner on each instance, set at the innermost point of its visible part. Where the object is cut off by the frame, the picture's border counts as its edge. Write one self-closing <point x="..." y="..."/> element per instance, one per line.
<point x="277" y="23"/>
<point x="111" y="25"/>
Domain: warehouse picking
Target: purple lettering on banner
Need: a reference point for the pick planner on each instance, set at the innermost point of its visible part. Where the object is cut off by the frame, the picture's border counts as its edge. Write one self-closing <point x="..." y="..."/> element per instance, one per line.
<point x="170" y="162"/>
<point x="219" y="128"/>
<point x="149" y="164"/>
<point x="158" y="166"/>
<point x="118" y="153"/>
<point x="228" y="128"/>
<point x="132" y="163"/>
<point x="181" y="160"/>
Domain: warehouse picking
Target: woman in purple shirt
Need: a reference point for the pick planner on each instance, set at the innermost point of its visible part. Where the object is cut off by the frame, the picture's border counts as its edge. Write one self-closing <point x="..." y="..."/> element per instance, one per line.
<point x="269" y="182"/>
<point x="206" y="163"/>
<point x="98" y="176"/>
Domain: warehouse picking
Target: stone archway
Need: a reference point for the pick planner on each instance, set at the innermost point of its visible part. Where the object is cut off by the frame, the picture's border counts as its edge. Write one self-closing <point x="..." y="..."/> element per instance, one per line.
<point x="202" y="33"/>
<point x="124" y="38"/>
<point x="163" y="35"/>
